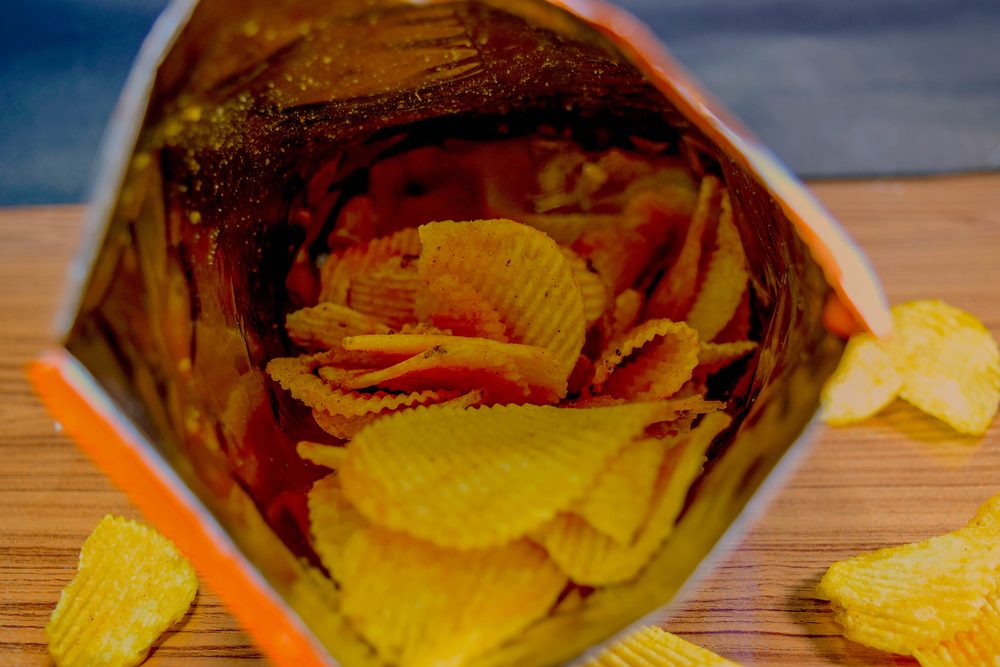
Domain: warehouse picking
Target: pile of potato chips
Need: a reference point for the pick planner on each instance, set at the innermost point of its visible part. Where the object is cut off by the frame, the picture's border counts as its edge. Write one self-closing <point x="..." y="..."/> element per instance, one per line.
<point x="941" y="360"/>
<point x="937" y="600"/>
<point x="517" y="409"/>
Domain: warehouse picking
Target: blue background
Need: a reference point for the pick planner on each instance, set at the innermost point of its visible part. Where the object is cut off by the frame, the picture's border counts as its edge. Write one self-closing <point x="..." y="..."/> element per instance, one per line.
<point x="835" y="87"/>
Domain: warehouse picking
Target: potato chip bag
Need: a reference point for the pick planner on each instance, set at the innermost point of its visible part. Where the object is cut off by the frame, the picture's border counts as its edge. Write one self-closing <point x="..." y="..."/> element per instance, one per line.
<point x="421" y="604"/>
<point x="483" y="476"/>
<point x="131" y="585"/>
<point x="654" y="647"/>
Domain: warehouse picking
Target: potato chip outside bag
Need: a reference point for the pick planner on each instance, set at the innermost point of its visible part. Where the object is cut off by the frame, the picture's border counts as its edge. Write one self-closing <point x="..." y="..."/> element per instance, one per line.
<point x="131" y="586"/>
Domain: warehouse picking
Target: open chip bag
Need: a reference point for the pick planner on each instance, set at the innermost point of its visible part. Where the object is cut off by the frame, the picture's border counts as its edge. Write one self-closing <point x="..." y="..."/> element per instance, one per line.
<point x="442" y="332"/>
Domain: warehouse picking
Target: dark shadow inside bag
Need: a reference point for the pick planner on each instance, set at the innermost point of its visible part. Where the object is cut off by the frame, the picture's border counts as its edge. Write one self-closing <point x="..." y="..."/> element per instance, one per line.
<point x="264" y="119"/>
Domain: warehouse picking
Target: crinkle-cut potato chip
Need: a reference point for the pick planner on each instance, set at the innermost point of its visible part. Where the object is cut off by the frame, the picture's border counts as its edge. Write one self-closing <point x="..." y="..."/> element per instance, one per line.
<point x="313" y="595"/>
<point x="950" y="364"/>
<point x="342" y="426"/>
<point x="521" y="272"/>
<point x="387" y="292"/>
<point x="676" y="291"/>
<point x="725" y="281"/>
<point x="976" y="647"/>
<point x="652" y="360"/>
<point x="622" y="493"/>
<point x="341" y="268"/>
<point x="329" y="456"/>
<point x="593" y="288"/>
<point x="566" y="228"/>
<point x="650" y="646"/>
<point x="131" y="585"/>
<point x="590" y="558"/>
<point x="332" y="522"/>
<point x="484" y="476"/>
<point x="420" y="605"/>
<point x="448" y="303"/>
<point x="297" y="376"/>
<point x="618" y="254"/>
<point x="866" y="380"/>
<point x="912" y="597"/>
<point x="508" y="372"/>
<point x="624" y="313"/>
<point x="325" y="325"/>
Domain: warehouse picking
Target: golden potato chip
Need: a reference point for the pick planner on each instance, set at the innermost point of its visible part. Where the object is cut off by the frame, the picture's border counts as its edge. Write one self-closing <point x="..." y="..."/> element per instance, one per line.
<point x="589" y="557"/>
<point x="296" y="375"/>
<point x="387" y="292"/>
<point x="715" y="356"/>
<point x="617" y="254"/>
<point x="975" y="647"/>
<point x="448" y="303"/>
<point x="913" y="597"/>
<point x="484" y="476"/>
<point x="324" y="325"/>
<point x="622" y="493"/>
<point x="650" y="646"/>
<point x="652" y="360"/>
<point x="676" y="291"/>
<point x="521" y="272"/>
<point x="420" y="605"/>
<point x="343" y="426"/>
<point x="725" y="280"/>
<point x="593" y="288"/>
<point x="131" y="585"/>
<point x="624" y="315"/>
<point x="332" y="522"/>
<point x="507" y="372"/>
<point x="866" y="380"/>
<point x="340" y="268"/>
<point x="566" y="228"/>
<point x="949" y="363"/>
<point x="330" y="456"/>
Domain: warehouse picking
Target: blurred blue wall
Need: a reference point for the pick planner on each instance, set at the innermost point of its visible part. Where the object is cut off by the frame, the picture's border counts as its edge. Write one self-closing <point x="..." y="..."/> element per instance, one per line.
<point x="835" y="87"/>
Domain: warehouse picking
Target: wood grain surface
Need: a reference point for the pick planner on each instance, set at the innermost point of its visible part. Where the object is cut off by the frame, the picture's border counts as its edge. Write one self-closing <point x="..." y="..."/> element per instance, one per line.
<point x="899" y="477"/>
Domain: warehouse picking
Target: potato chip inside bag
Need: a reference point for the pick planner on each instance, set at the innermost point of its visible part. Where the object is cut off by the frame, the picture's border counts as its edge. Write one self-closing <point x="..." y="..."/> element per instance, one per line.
<point x="131" y="585"/>
<point x="622" y="493"/>
<point x="521" y="273"/>
<point x="448" y="303"/>
<point x="330" y="456"/>
<point x="594" y="290"/>
<point x="420" y="604"/>
<point x="866" y="380"/>
<point x="332" y="523"/>
<point x="300" y="376"/>
<point x="591" y="558"/>
<point x="342" y="267"/>
<point x="506" y="372"/>
<point x="484" y="476"/>
<point x="650" y="646"/>
<point x="912" y="597"/>
<point x="725" y="280"/>
<point x="949" y="363"/>
<point x="676" y="291"/>
<point x="387" y="293"/>
<point x="325" y="325"/>
<point x="652" y="360"/>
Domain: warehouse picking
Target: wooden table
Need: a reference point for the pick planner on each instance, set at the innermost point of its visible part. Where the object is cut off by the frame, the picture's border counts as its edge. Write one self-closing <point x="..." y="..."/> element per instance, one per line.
<point x="900" y="477"/>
